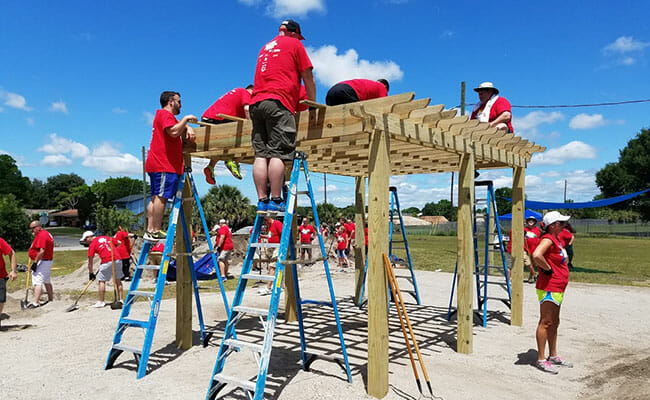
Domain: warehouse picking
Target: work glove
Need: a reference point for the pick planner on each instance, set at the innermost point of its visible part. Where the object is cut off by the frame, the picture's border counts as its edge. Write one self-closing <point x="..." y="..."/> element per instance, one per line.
<point x="91" y="276"/>
<point x="218" y="249"/>
<point x="34" y="266"/>
<point x="547" y="271"/>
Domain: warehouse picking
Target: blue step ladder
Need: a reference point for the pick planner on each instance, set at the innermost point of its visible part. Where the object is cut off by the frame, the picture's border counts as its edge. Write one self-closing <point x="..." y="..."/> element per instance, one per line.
<point x="254" y="389"/>
<point x="482" y="267"/>
<point x="141" y="351"/>
<point x="400" y="244"/>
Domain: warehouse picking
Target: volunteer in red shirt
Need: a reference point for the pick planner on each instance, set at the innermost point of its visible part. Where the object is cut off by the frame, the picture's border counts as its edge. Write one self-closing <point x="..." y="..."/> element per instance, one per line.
<point x="274" y="235"/>
<point x="6" y="250"/>
<point x="41" y="253"/>
<point x="107" y="249"/>
<point x="124" y="251"/>
<point x="281" y="64"/>
<point x="567" y="237"/>
<point x="532" y="234"/>
<point x="492" y="108"/>
<point x="165" y="159"/>
<point x="356" y="90"/>
<point x="307" y="233"/>
<point x="234" y="103"/>
<point x="551" y="259"/>
<point x="342" y="242"/>
<point x="224" y="246"/>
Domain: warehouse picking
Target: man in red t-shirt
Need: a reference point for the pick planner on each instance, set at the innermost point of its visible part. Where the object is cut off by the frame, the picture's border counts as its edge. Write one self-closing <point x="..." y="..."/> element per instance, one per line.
<point x="124" y="251"/>
<point x="492" y="108"/>
<point x="41" y="253"/>
<point x="165" y="159"/>
<point x="307" y="233"/>
<point x="342" y="243"/>
<point x="107" y="249"/>
<point x="356" y="90"/>
<point x="274" y="235"/>
<point x="234" y="103"/>
<point x="281" y="64"/>
<point x="6" y="250"/>
<point x="224" y="246"/>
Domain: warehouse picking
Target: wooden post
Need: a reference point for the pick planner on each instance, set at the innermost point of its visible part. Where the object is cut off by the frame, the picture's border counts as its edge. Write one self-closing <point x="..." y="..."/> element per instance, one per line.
<point x="465" y="253"/>
<point x="290" y="308"/>
<point x="183" y="275"/>
<point x="360" y="223"/>
<point x="378" y="176"/>
<point x="517" y="238"/>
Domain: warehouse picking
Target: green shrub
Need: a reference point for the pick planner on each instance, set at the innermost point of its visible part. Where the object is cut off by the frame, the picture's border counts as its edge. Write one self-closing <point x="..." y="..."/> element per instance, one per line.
<point x="14" y="224"/>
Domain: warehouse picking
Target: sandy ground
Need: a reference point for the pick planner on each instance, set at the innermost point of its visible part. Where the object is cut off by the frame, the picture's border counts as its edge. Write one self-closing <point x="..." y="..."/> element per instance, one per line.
<point x="50" y="354"/>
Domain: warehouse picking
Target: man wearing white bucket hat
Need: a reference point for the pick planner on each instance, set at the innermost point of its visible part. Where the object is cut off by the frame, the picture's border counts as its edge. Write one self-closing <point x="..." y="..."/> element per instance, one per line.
<point x="492" y="108"/>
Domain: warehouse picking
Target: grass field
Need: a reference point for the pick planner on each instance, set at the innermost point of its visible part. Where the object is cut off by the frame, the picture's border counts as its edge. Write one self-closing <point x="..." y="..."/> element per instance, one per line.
<point x="65" y="231"/>
<point x="65" y="262"/>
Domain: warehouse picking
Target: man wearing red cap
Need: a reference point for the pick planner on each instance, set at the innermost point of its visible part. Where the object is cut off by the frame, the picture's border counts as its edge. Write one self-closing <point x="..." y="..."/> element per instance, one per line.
<point x="356" y="90"/>
<point x="281" y="65"/>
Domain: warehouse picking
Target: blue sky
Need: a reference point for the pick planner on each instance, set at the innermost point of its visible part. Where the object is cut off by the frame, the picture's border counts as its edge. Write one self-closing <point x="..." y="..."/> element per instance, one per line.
<point x="80" y="81"/>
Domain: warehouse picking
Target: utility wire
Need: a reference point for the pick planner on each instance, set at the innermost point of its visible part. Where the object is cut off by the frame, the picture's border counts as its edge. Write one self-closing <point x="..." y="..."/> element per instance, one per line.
<point x="613" y="103"/>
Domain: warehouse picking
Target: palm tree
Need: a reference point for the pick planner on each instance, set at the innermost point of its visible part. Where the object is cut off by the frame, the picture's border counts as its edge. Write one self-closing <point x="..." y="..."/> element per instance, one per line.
<point x="227" y="202"/>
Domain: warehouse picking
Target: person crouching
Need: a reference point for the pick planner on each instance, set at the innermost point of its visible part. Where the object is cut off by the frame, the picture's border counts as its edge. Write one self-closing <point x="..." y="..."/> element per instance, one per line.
<point x="104" y="246"/>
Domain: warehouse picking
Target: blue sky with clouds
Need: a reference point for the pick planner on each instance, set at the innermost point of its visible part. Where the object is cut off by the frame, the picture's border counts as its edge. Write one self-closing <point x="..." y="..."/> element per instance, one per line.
<point x="80" y="81"/>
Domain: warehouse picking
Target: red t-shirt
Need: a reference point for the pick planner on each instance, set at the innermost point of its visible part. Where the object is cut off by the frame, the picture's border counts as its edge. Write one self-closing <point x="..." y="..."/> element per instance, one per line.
<point x="275" y="231"/>
<point x="165" y="152"/>
<point x="302" y="96"/>
<point x="227" y="241"/>
<point x="124" y="250"/>
<point x="102" y="245"/>
<point x="555" y="257"/>
<point x="42" y="240"/>
<point x="280" y="64"/>
<point x="532" y="236"/>
<point x="500" y="106"/>
<point x="306" y="233"/>
<point x="341" y="240"/>
<point x="159" y="247"/>
<point x="366" y="235"/>
<point x="367" y="89"/>
<point x="565" y="237"/>
<point x="349" y="229"/>
<point x="231" y="103"/>
<point x="5" y="250"/>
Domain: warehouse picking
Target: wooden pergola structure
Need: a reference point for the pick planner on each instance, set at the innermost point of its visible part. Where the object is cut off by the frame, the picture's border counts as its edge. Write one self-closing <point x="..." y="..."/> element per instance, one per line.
<point x="374" y="139"/>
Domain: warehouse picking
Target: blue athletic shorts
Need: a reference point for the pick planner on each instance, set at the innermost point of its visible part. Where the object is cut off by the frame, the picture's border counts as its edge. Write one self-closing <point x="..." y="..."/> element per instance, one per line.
<point x="164" y="184"/>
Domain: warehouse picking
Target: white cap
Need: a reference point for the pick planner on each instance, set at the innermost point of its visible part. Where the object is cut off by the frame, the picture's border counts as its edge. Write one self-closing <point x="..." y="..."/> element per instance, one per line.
<point x="554" y="216"/>
<point x="87" y="234"/>
<point x="222" y="221"/>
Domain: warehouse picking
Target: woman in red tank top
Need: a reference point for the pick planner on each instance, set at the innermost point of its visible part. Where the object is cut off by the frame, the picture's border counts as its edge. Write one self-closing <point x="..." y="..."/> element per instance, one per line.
<point x="551" y="259"/>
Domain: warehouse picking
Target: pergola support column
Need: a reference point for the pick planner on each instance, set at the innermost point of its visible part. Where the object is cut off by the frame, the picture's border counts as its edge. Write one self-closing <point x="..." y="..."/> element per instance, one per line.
<point x="465" y="256"/>
<point x="360" y="223"/>
<point x="517" y="281"/>
<point x="183" y="276"/>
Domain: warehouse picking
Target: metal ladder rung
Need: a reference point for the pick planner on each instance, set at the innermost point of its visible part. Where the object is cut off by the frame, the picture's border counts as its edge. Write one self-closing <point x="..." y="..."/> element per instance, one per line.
<point x="251" y="310"/>
<point x="241" y="383"/>
<point x="268" y="278"/>
<point x="194" y="253"/>
<point x="130" y="349"/>
<point x="303" y="192"/>
<point x="266" y="245"/>
<point x="307" y="246"/>
<point x="304" y="262"/>
<point x="134" y="322"/>
<point x="141" y="293"/>
<point x="495" y="298"/>
<point x="244" y="345"/>
<point x="208" y="287"/>
<point x="271" y="213"/>
<point x="150" y="267"/>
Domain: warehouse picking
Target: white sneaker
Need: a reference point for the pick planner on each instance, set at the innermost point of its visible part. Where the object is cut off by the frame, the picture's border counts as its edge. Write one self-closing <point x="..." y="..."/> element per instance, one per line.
<point x="99" y="304"/>
<point x="264" y="292"/>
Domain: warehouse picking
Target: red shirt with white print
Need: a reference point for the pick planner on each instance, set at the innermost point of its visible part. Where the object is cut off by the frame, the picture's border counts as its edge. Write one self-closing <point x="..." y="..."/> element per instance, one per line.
<point x="307" y="233"/>
<point x="341" y="240"/>
<point x="231" y="103"/>
<point x="367" y="89"/>
<point x="101" y="245"/>
<point x="165" y="152"/>
<point x="556" y="257"/>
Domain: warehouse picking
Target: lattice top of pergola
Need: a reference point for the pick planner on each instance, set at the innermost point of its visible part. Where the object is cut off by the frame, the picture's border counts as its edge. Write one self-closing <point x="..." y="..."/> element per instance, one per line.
<point x="423" y="138"/>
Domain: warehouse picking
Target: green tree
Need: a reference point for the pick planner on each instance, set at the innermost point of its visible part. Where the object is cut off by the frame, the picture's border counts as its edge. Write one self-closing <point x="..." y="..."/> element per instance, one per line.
<point x="61" y="183"/>
<point x="38" y="197"/>
<point x="81" y="198"/>
<point x="14" y="223"/>
<point x="413" y="211"/>
<point x="442" y="207"/>
<point x="12" y="180"/>
<point x="112" y="189"/>
<point x="108" y="218"/>
<point x="503" y="206"/>
<point x="328" y="213"/>
<point x="348" y="212"/>
<point x="227" y="202"/>
<point x="630" y="173"/>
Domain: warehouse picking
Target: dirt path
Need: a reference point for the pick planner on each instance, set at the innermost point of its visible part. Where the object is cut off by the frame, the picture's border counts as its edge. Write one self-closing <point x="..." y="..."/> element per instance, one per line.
<point x="50" y="354"/>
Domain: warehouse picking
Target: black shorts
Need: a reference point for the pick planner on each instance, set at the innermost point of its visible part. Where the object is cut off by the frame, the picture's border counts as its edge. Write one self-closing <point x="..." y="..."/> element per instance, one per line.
<point x="341" y="93"/>
<point x="3" y="290"/>
<point x="274" y="130"/>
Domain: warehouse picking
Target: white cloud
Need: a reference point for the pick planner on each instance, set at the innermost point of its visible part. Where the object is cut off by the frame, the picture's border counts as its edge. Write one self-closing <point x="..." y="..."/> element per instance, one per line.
<point x="59" y="106"/>
<point x="581" y="186"/>
<point x="528" y="125"/>
<point x="59" y="146"/>
<point x="288" y="8"/>
<point x="331" y="67"/>
<point x="56" y="160"/>
<point x="586" y="121"/>
<point x="14" y="100"/>
<point x="571" y="151"/>
<point x="627" y="61"/>
<point x="118" y="110"/>
<point x="625" y="44"/>
<point x="148" y="117"/>
<point x="330" y="188"/>
<point x="30" y="121"/>
<point x="107" y="159"/>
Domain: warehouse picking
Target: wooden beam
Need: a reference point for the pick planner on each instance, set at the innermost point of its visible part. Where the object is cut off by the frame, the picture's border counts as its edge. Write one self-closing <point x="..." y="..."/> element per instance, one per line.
<point x="183" y="276"/>
<point x="378" y="176"/>
<point x="517" y="285"/>
<point x="360" y="223"/>
<point x="465" y="258"/>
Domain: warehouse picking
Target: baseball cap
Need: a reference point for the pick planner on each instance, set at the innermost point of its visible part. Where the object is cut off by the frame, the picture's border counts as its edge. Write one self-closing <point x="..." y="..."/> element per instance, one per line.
<point x="554" y="216"/>
<point x="87" y="234"/>
<point x="292" y="26"/>
<point x="222" y="221"/>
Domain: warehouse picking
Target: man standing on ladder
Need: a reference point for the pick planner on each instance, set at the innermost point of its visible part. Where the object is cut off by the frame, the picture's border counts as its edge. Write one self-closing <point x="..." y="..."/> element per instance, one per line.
<point x="165" y="159"/>
<point x="281" y="64"/>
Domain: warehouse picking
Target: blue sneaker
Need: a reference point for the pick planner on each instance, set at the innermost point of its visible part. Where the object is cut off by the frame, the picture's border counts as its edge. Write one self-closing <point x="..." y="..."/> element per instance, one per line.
<point x="276" y="207"/>
<point x="262" y="205"/>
